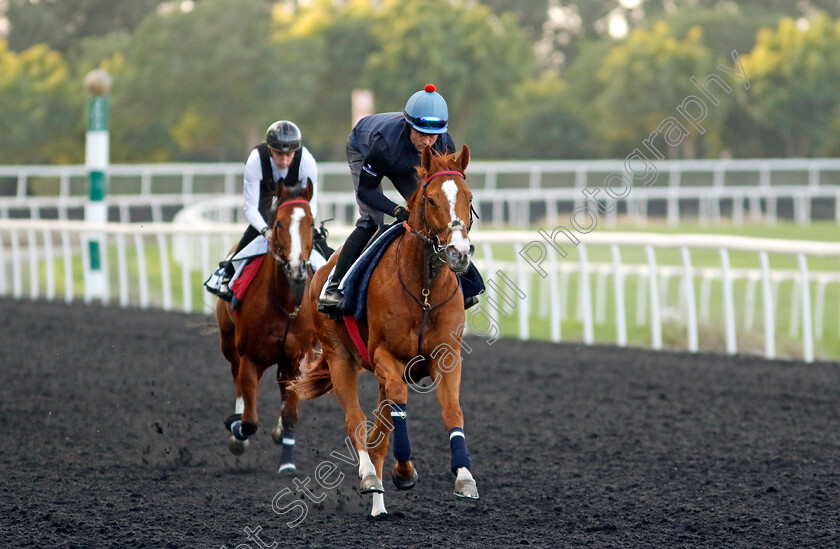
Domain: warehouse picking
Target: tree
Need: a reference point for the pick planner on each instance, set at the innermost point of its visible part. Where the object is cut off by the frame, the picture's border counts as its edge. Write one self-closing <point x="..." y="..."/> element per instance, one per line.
<point x="794" y="74"/>
<point x="41" y="108"/>
<point x="332" y="43"/>
<point x="471" y="55"/>
<point x="644" y="80"/>
<point x="539" y="120"/>
<point x="59" y="23"/>
<point x="530" y="14"/>
<point x="208" y="97"/>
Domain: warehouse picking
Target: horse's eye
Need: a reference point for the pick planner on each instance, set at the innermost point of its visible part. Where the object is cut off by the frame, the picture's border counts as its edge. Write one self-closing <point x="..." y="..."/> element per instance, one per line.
<point x="432" y="202"/>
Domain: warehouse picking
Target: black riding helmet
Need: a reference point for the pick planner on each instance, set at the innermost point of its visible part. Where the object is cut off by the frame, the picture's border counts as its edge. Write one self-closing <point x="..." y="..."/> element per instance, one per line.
<point x="283" y="136"/>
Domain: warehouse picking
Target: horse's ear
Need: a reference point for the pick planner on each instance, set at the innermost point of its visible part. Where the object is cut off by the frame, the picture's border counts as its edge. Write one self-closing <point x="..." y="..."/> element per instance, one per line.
<point x="426" y="159"/>
<point x="464" y="158"/>
<point x="308" y="190"/>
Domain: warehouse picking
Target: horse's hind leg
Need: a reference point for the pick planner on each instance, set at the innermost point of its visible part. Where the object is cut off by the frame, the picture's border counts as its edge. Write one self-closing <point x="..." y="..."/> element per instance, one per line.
<point x="284" y="432"/>
<point x="343" y="375"/>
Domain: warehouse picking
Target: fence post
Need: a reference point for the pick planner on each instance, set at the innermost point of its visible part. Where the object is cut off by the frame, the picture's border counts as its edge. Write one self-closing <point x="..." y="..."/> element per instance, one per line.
<point x="98" y="84"/>
<point x="618" y="283"/>
<point x="524" y="313"/>
<point x="554" y="291"/>
<point x="586" y="295"/>
<point x="767" y="305"/>
<point x="655" y="318"/>
<point x="807" y="331"/>
<point x="728" y="303"/>
<point x="688" y="291"/>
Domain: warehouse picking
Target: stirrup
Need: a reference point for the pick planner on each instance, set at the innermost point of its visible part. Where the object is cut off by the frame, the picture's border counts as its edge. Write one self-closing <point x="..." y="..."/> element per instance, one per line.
<point x="331" y="300"/>
<point x="224" y="292"/>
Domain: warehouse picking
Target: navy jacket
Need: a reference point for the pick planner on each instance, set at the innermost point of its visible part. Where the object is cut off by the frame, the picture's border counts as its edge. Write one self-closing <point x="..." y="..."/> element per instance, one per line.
<point x="383" y="141"/>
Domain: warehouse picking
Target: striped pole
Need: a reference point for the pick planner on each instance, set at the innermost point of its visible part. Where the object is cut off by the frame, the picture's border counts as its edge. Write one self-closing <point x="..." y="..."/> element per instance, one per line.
<point x="98" y="84"/>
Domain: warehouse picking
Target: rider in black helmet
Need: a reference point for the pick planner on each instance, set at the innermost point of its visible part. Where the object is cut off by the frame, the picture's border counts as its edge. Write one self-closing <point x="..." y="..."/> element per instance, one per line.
<point x="280" y="159"/>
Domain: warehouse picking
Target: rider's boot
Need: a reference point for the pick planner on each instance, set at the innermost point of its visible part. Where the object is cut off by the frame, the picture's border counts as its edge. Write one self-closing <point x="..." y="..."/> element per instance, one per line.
<point x="224" y="285"/>
<point x="332" y="298"/>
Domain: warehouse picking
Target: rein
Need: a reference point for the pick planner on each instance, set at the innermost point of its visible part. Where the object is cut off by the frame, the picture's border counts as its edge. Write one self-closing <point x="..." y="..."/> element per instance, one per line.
<point x="428" y="278"/>
<point x="296" y="287"/>
<point x="436" y="249"/>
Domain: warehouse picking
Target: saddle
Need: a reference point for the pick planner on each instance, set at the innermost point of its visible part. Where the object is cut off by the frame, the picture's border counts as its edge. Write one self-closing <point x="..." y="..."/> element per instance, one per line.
<point x="354" y="285"/>
<point x="246" y="264"/>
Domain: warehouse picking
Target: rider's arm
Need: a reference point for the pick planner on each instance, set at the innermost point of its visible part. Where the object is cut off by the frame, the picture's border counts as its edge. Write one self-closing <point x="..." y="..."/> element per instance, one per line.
<point x="309" y="169"/>
<point x="370" y="179"/>
<point x="251" y="190"/>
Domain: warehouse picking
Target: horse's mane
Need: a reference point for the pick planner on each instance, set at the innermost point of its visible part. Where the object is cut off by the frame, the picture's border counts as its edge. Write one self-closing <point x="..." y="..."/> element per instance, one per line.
<point x="439" y="162"/>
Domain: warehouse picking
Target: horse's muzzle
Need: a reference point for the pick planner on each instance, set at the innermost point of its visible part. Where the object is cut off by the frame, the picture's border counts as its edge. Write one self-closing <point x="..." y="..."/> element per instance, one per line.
<point x="458" y="261"/>
<point x="297" y="273"/>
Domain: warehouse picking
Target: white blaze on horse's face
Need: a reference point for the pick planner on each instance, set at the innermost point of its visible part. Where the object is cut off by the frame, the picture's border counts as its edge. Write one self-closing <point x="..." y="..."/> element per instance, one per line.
<point x="294" y="232"/>
<point x="460" y="239"/>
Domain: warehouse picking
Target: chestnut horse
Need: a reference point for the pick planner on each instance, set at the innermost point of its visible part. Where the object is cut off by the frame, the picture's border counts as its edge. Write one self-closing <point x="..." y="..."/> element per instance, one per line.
<point x="415" y="318"/>
<point x="270" y="327"/>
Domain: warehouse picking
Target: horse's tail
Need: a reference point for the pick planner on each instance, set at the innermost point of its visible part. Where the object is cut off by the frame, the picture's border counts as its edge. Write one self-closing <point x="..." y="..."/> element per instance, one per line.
<point x="314" y="381"/>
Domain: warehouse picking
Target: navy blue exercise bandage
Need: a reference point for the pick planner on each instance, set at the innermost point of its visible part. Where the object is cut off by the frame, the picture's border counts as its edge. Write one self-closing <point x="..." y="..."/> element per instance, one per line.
<point x="402" y="444"/>
<point x="458" y="445"/>
<point x="288" y="455"/>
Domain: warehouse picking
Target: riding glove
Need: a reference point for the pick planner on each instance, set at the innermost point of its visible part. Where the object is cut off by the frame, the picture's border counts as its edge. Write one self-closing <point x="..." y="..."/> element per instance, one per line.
<point x="401" y="214"/>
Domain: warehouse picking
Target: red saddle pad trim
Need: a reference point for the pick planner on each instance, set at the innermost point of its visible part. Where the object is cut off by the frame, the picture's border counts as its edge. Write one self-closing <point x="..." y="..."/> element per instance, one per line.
<point x="356" y="336"/>
<point x="249" y="271"/>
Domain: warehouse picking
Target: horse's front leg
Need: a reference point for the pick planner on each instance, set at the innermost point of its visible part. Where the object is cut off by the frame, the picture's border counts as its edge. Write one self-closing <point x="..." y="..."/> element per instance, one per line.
<point x="448" y="388"/>
<point x="391" y="414"/>
<point x="284" y="432"/>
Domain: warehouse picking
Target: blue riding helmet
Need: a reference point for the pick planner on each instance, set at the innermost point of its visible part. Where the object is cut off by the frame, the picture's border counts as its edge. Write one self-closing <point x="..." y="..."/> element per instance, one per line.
<point x="426" y="111"/>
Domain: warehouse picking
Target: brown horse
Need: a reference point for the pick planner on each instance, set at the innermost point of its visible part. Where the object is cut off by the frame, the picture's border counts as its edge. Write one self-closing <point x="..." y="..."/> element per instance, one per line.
<point x="415" y="318"/>
<point x="270" y="327"/>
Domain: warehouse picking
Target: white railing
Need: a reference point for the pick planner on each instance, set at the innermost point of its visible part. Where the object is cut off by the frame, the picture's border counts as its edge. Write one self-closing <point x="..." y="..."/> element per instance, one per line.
<point x="43" y="259"/>
<point x="508" y="193"/>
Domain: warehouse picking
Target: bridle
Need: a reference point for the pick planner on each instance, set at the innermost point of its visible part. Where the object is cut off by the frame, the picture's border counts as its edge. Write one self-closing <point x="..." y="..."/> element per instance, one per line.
<point x="432" y="249"/>
<point x="431" y="238"/>
<point x="298" y="287"/>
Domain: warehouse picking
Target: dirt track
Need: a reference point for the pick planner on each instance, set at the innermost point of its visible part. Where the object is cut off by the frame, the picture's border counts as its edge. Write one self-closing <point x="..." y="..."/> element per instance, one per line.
<point x="114" y="438"/>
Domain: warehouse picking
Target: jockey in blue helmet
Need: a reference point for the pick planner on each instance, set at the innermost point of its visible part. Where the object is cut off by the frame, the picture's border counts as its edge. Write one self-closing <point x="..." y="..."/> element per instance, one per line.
<point x="389" y="145"/>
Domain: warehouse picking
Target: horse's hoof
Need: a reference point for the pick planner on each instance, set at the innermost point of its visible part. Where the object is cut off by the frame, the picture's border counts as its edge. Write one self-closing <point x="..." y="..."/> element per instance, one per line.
<point x="466" y="489"/>
<point x="237" y="447"/>
<point x="287" y="469"/>
<point x="403" y="483"/>
<point x="371" y="485"/>
<point x="277" y="435"/>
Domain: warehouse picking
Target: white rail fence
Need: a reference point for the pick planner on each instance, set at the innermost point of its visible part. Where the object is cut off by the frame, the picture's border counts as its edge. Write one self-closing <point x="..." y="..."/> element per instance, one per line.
<point x="44" y="259"/>
<point x="507" y="193"/>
